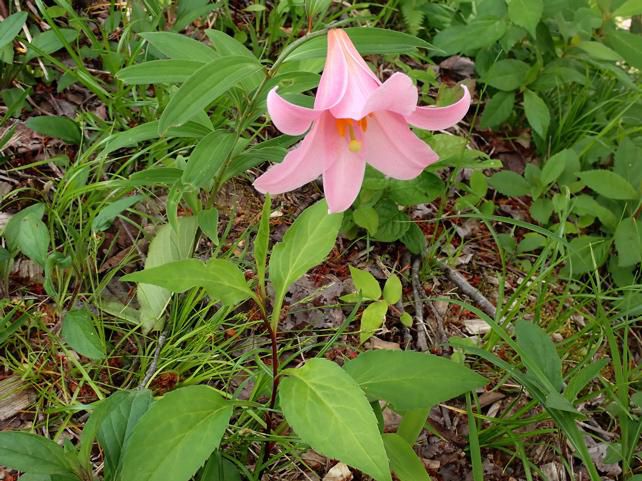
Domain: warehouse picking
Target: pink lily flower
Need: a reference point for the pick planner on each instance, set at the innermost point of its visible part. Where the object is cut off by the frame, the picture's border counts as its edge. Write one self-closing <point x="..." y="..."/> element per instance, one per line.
<point x="356" y="120"/>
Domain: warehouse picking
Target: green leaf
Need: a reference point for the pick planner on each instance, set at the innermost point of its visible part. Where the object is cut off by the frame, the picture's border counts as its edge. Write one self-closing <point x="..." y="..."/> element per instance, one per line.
<point x="107" y="214"/>
<point x="365" y="283"/>
<point x="628" y="242"/>
<point x="219" y="469"/>
<point x="497" y="110"/>
<point x="392" y="289"/>
<point x="609" y="184"/>
<point x="117" y="424"/>
<point x="628" y="45"/>
<point x="526" y="13"/>
<point x="507" y="75"/>
<point x="169" y="245"/>
<point x="159" y="71"/>
<point x="599" y="51"/>
<point x="306" y="244"/>
<point x="403" y="460"/>
<point x="586" y="205"/>
<point x="180" y="47"/>
<point x="372" y="319"/>
<point x="35" y="455"/>
<point x="406" y="319"/>
<point x="393" y="223"/>
<point x="537" y="113"/>
<point x="366" y="216"/>
<point x="411" y="380"/>
<point x="208" y="223"/>
<point x="207" y="84"/>
<point x="79" y="331"/>
<point x="226" y="45"/>
<point x="509" y="183"/>
<point x="176" y="435"/>
<point x="422" y="189"/>
<point x="48" y="42"/>
<point x="220" y="278"/>
<point x="480" y="33"/>
<point x="587" y="253"/>
<point x="555" y="400"/>
<point x="10" y="27"/>
<point x="539" y="355"/>
<point x="414" y="239"/>
<point x="628" y="162"/>
<point x="333" y="401"/>
<point x="531" y="241"/>
<point x="155" y="176"/>
<point x="556" y="165"/>
<point x="207" y="158"/>
<point x="582" y="378"/>
<point x="367" y="40"/>
<point x="58" y="127"/>
<point x="29" y="235"/>
<point x="12" y="229"/>
<point x="149" y="131"/>
<point x="629" y="9"/>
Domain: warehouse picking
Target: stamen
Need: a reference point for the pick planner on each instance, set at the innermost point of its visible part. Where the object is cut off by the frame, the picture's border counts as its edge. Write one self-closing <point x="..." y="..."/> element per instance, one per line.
<point x="354" y="144"/>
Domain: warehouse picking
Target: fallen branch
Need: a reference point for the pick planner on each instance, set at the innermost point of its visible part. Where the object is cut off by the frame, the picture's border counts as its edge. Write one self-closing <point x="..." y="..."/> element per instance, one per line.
<point x="152" y="367"/>
<point x="472" y="292"/>
<point x="417" y="291"/>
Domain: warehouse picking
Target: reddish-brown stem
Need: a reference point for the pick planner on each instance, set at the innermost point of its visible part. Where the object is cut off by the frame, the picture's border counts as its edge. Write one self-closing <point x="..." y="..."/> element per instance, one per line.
<point x="275" y="386"/>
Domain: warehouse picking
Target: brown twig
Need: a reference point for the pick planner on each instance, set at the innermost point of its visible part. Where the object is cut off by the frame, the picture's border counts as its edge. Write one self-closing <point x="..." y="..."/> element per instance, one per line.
<point x="152" y="367"/>
<point x="422" y="330"/>
<point x="269" y="446"/>
<point x="472" y="292"/>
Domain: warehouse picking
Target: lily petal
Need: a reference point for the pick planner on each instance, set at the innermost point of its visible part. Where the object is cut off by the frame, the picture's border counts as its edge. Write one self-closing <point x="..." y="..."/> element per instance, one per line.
<point x="397" y="94"/>
<point x="440" y="118"/>
<point x="361" y="82"/>
<point x="334" y="79"/>
<point x="342" y="181"/>
<point x="289" y="118"/>
<point x="302" y="164"/>
<point x="393" y="149"/>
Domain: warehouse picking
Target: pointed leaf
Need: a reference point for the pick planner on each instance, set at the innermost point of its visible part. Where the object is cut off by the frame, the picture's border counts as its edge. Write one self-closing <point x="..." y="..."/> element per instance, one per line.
<point x="539" y="354"/>
<point x="403" y="460"/>
<point x="609" y="184"/>
<point x="326" y="408"/>
<point x="372" y="319"/>
<point x="365" y="283"/>
<point x="411" y="380"/>
<point x="176" y="435"/>
<point x="628" y="242"/>
<point x="537" y="113"/>
<point x="182" y="47"/>
<point x="206" y="84"/>
<point x="526" y="13"/>
<point x="305" y="244"/>
<point x="35" y="454"/>
<point x="159" y="71"/>
<point x="392" y="289"/>
<point x="10" y="27"/>
<point x="79" y="331"/>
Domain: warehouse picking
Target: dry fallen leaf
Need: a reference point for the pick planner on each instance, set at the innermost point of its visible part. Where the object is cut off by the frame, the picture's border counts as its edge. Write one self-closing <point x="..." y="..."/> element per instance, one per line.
<point x="476" y="326"/>
<point x="339" y="472"/>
